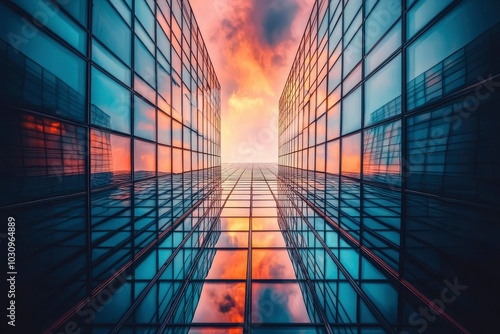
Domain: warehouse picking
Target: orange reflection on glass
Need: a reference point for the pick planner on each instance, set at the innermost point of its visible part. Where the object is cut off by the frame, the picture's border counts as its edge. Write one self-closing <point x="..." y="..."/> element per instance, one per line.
<point x="213" y="330"/>
<point x="221" y="302"/>
<point x="144" y="156"/>
<point x="265" y="224"/>
<point x="234" y="224"/>
<point x="267" y="239"/>
<point x="235" y="212"/>
<point x="272" y="264"/>
<point x="233" y="239"/>
<point x="229" y="264"/>
<point x="351" y="155"/>
<point x="278" y="303"/>
<point x="264" y="212"/>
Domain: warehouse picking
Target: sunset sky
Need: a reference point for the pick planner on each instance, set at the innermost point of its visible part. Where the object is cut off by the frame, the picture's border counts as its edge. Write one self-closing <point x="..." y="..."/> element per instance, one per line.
<point x="252" y="44"/>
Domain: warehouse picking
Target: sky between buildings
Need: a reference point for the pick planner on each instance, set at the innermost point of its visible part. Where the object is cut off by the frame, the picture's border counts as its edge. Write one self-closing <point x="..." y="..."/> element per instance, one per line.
<point x="252" y="44"/>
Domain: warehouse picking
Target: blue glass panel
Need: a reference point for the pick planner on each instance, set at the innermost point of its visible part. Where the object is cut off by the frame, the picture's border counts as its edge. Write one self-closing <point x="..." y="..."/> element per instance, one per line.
<point x="351" y="112"/>
<point x="110" y="103"/>
<point x="144" y="119"/>
<point x="383" y="93"/>
<point x="112" y="30"/>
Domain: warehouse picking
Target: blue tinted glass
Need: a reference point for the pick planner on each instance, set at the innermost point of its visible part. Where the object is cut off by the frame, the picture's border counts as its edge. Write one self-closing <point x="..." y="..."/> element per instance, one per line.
<point x="110" y="103"/>
<point x="60" y="62"/>
<point x="50" y="16"/>
<point x="144" y="119"/>
<point x="78" y="9"/>
<point x="145" y="16"/>
<point x="423" y="11"/>
<point x="383" y="93"/>
<point x="444" y="38"/>
<point x="353" y="52"/>
<point x="387" y="45"/>
<point x="144" y="63"/>
<point x="382" y="153"/>
<point x="110" y="28"/>
<point x="108" y="61"/>
<point x="351" y="112"/>
<point x="385" y="13"/>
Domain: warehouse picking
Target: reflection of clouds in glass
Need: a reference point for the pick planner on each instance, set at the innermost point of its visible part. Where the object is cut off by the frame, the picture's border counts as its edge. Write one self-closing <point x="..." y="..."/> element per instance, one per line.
<point x="221" y="302"/>
<point x="234" y="224"/>
<point x="272" y="264"/>
<point x="229" y="264"/>
<point x="233" y="239"/>
<point x="268" y="239"/>
<point x="278" y="303"/>
<point x="265" y="224"/>
<point x="120" y="153"/>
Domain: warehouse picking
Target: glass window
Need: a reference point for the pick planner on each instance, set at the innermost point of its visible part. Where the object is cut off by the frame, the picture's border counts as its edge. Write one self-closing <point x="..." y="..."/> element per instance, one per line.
<point x="108" y="61"/>
<point x="110" y="103"/>
<point x="144" y="119"/>
<point x="60" y="62"/>
<point x="351" y="112"/>
<point x="164" y="128"/>
<point x="382" y="153"/>
<point x="333" y="157"/>
<point x="335" y="75"/>
<point x="78" y="9"/>
<point x="353" y="52"/>
<point x="164" y="159"/>
<point x="351" y="155"/>
<point x="423" y="11"/>
<point x="176" y="134"/>
<point x="333" y="122"/>
<point x="54" y="19"/>
<point x="145" y="17"/>
<point x="144" y="63"/>
<point x="111" y="30"/>
<point x="109" y="158"/>
<point x="144" y="159"/>
<point x="353" y="79"/>
<point x="320" y="158"/>
<point x="385" y="48"/>
<point x="383" y="93"/>
<point x="385" y="13"/>
<point x="465" y="22"/>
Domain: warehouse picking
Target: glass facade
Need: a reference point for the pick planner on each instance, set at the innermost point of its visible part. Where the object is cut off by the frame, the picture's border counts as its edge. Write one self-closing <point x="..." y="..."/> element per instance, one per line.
<point x="110" y="144"/>
<point x="387" y="148"/>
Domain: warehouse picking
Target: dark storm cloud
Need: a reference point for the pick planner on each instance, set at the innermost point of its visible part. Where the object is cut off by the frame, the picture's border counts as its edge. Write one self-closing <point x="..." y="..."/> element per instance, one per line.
<point x="277" y="18"/>
<point x="227" y="304"/>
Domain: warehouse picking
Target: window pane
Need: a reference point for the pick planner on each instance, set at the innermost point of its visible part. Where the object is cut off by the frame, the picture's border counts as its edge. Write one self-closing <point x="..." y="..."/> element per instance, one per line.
<point x="107" y="60"/>
<point x="382" y="153"/>
<point x="164" y="159"/>
<point x="383" y="93"/>
<point x="110" y="28"/>
<point x="351" y="112"/>
<point x="333" y="157"/>
<point x="144" y="119"/>
<point x="422" y="13"/>
<point x="351" y="155"/>
<point x="388" y="45"/>
<point x="110" y="158"/>
<point x="110" y="103"/>
<point x="385" y="13"/>
<point x="144" y="159"/>
<point x="444" y="38"/>
<point x="333" y="122"/>
<point x="164" y="128"/>
<point x="144" y="63"/>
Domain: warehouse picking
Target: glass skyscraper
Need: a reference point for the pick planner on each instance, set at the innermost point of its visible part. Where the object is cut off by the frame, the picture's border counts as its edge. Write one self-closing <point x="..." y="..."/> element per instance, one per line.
<point x="388" y="147"/>
<point x="110" y="140"/>
<point x="380" y="217"/>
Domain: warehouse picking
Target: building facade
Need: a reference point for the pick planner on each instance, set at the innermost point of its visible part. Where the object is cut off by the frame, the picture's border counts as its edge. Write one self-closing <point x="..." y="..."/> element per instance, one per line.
<point x="388" y="139"/>
<point x="110" y="140"/>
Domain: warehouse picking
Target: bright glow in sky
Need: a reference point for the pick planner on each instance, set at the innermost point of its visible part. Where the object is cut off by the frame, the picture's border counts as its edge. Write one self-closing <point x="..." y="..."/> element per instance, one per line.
<point x="252" y="44"/>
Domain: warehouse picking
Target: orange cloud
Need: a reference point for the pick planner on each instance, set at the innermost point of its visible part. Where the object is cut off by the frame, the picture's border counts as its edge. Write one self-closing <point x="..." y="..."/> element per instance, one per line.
<point x="252" y="45"/>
